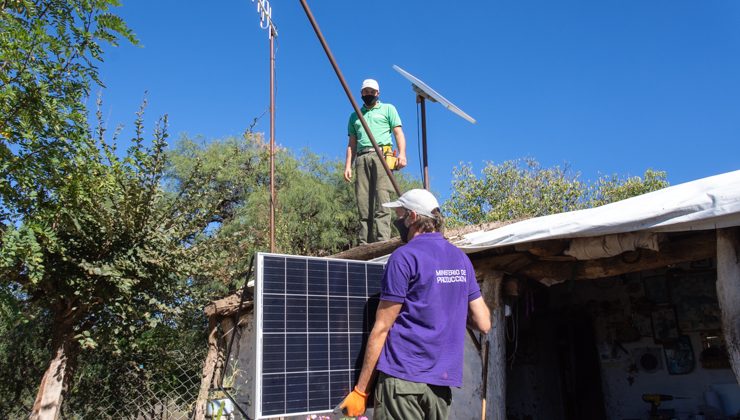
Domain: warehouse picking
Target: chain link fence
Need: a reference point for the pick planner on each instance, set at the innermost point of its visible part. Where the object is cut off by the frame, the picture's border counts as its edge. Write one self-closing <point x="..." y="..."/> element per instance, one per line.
<point x="165" y="389"/>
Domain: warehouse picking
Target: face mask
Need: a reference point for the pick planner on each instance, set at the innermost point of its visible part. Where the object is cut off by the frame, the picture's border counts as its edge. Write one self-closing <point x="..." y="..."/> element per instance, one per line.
<point x="369" y="99"/>
<point x="403" y="230"/>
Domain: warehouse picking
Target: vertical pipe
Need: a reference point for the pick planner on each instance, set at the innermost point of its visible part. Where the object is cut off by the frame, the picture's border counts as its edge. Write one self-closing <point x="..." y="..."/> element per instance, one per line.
<point x="334" y="65"/>
<point x="424" y="140"/>
<point x="272" y="140"/>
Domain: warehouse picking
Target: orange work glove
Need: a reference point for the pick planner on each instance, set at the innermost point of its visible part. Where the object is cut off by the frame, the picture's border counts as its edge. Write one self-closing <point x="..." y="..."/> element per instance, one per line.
<point x="354" y="403"/>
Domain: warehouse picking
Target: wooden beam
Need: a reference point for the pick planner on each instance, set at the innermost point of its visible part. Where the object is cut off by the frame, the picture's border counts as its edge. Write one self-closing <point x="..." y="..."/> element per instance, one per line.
<point x="495" y="349"/>
<point x="228" y="306"/>
<point x="728" y="292"/>
<point x="370" y="251"/>
<point x="544" y="248"/>
<point x="691" y="248"/>
<point x="378" y="249"/>
<point x="507" y="263"/>
<point x="695" y="247"/>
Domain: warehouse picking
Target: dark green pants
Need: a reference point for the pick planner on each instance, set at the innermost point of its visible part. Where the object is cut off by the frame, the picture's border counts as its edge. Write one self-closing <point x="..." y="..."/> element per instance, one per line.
<point x="372" y="188"/>
<point x="398" y="399"/>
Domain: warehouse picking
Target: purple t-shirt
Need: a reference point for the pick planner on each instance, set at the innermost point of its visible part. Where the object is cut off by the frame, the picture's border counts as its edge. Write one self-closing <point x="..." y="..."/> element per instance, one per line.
<point x="434" y="281"/>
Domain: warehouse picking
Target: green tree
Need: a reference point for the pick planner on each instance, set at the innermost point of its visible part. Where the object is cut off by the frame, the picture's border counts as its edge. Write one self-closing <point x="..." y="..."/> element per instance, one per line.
<point x="48" y="55"/>
<point x="313" y="213"/>
<point x="611" y="188"/>
<point x="111" y="254"/>
<point x="316" y="213"/>
<point x="48" y="51"/>
<point x="511" y="190"/>
<point x="523" y="188"/>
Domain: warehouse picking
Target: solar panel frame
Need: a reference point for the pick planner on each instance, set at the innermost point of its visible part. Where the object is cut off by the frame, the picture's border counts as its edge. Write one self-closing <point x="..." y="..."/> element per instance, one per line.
<point x="342" y="318"/>
<point x="433" y="94"/>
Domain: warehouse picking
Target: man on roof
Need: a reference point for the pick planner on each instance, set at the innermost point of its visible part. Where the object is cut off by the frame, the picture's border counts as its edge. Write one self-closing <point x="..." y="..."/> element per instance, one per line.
<point x="428" y="294"/>
<point x="372" y="185"/>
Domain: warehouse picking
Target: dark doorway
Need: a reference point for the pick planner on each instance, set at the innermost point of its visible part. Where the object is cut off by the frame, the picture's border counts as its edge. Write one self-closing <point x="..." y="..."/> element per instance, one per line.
<point x="579" y="368"/>
<point x="553" y="369"/>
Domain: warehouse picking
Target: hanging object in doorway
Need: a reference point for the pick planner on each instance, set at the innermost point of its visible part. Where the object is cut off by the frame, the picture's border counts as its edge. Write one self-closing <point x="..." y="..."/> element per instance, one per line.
<point x="679" y="356"/>
<point x="665" y="326"/>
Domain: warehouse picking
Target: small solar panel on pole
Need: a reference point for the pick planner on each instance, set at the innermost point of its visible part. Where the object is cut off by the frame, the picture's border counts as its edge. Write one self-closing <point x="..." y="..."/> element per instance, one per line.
<point x="425" y="92"/>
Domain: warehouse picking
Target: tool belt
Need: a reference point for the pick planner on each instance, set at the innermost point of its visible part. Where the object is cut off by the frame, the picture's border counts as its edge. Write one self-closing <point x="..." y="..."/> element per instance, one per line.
<point x="388" y="152"/>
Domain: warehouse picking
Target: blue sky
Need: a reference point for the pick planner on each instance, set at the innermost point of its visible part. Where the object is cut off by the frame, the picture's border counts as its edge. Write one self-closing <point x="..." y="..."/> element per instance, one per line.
<point x="609" y="86"/>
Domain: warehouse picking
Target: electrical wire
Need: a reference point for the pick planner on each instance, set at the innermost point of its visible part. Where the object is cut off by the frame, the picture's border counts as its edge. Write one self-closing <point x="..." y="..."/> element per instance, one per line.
<point x="255" y="120"/>
<point x="418" y="142"/>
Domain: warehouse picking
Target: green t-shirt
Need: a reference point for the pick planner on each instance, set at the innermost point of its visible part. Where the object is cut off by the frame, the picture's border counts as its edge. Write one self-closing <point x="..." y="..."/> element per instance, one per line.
<point x="381" y="119"/>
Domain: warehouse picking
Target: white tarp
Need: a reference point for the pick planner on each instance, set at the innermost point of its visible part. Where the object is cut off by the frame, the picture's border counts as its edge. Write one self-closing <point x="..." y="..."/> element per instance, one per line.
<point x="707" y="203"/>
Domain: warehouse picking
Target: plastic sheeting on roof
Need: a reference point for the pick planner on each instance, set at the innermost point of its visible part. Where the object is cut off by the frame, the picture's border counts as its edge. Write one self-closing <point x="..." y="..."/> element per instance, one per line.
<point x="707" y="203"/>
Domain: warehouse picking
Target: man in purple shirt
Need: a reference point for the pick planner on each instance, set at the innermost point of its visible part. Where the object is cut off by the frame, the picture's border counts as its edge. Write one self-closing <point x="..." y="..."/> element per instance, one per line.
<point x="416" y="346"/>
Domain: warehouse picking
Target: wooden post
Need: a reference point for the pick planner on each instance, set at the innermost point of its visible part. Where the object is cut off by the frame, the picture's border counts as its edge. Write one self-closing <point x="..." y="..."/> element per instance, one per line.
<point x="495" y="398"/>
<point x="228" y="328"/>
<point x="728" y="292"/>
<point x="208" y="368"/>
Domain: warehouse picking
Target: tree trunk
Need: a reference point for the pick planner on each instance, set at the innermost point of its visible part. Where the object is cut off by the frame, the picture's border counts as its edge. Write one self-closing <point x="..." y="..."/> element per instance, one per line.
<point x="228" y="327"/>
<point x="208" y="368"/>
<point x="215" y="365"/>
<point x="56" y="379"/>
<point x="728" y="292"/>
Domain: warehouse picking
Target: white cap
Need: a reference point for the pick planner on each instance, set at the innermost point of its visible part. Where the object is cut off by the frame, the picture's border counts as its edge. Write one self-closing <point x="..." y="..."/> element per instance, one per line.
<point x="370" y="83"/>
<point x="418" y="200"/>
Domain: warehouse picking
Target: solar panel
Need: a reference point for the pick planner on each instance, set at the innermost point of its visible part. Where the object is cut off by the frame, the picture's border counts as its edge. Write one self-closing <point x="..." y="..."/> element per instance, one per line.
<point x="425" y="90"/>
<point x="313" y="317"/>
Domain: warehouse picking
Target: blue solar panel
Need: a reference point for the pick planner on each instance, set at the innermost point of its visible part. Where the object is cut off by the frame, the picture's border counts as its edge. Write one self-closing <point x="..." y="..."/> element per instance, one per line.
<point x="313" y="318"/>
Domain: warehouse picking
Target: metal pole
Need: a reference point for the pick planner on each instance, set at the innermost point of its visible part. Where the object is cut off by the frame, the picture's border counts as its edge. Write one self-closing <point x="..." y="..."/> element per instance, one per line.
<point x="422" y="102"/>
<point x="349" y="95"/>
<point x="272" y="140"/>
